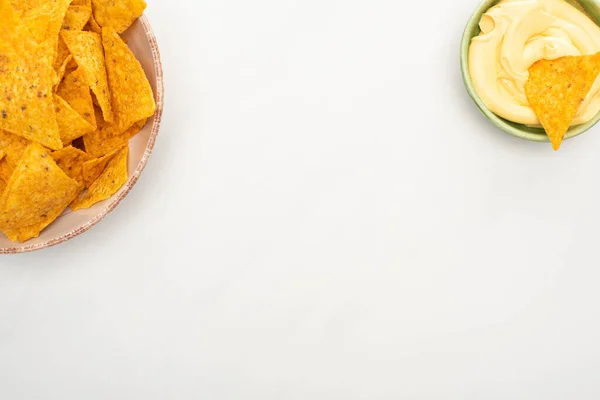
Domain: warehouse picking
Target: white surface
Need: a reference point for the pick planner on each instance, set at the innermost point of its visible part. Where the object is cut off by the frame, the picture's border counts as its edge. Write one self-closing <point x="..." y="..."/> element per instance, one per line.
<point x="325" y="216"/>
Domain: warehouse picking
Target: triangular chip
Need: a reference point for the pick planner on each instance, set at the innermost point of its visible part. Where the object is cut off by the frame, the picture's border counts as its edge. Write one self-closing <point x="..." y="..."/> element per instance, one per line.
<point x="108" y="137"/>
<point x="76" y="18"/>
<point x="62" y="53"/>
<point x="76" y="91"/>
<point x="26" y="80"/>
<point x="87" y="3"/>
<point x="71" y="125"/>
<point x="111" y="180"/>
<point x="38" y="20"/>
<point x="37" y="193"/>
<point x="26" y="5"/>
<point x="132" y="96"/>
<point x="118" y="15"/>
<point x="92" y="169"/>
<point x="13" y="33"/>
<point x="71" y="160"/>
<point x="555" y="90"/>
<point x="5" y="170"/>
<point x="60" y="74"/>
<point x="58" y="15"/>
<point x="86" y="48"/>
<point x="15" y="150"/>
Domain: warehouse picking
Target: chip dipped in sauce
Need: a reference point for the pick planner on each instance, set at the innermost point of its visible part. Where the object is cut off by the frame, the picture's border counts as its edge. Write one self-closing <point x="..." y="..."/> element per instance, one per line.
<point x="515" y="34"/>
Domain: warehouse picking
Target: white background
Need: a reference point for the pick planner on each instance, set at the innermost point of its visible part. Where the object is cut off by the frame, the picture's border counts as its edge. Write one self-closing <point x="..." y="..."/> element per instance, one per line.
<point x="325" y="216"/>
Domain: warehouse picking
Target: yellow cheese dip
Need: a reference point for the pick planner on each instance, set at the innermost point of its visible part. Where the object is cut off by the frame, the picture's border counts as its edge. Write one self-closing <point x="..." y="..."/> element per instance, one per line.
<point x="517" y="33"/>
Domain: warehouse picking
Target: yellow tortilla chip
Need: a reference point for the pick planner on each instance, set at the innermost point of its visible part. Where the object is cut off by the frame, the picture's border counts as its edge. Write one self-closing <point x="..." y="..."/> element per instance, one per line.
<point x="71" y="161"/>
<point x="112" y="179"/>
<point x="26" y="5"/>
<point x="5" y="170"/>
<point x="118" y="15"/>
<point x="6" y="138"/>
<point x="76" y="18"/>
<point x="108" y="138"/>
<point x="60" y="74"/>
<point x="37" y="193"/>
<point x="26" y="80"/>
<point x="14" y="152"/>
<point x="38" y="20"/>
<point x="76" y="91"/>
<point x="132" y="96"/>
<point x="26" y="107"/>
<point x="92" y="169"/>
<point x="87" y="3"/>
<point x="14" y="33"/>
<point x="86" y="48"/>
<point x="71" y="125"/>
<point x="555" y="90"/>
<point x="62" y="53"/>
<point x="93" y="25"/>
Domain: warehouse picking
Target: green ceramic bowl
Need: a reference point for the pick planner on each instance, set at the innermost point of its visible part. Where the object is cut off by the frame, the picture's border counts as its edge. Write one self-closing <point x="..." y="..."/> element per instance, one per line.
<point x="590" y="7"/>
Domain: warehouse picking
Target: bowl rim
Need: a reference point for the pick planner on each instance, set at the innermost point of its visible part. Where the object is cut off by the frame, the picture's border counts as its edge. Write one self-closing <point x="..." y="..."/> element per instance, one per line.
<point x="493" y="118"/>
<point x="138" y="171"/>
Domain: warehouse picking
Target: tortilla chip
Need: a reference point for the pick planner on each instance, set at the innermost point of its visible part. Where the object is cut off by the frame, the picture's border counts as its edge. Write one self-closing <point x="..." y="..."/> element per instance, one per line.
<point x="555" y="90"/>
<point x="132" y="96"/>
<point x="60" y="74"/>
<point x="76" y="18"/>
<point x="14" y="152"/>
<point x="26" y="109"/>
<point x="14" y="33"/>
<point x="76" y="91"/>
<point x="111" y="180"/>
<point x="86" y="48"/>
<point x="26" y="5"/>
<point x="6" y="138"/>
<point x="38" y="20"/>
<point x="93" y="25"/>
<point x="108" y="138"/>
<point x="37" y="193"/>
<point x="71" y="161"/>
<point x="87" y="3"/>
<point x="62" y="53"/>
<point x="93" y="169"/>
<point x="118" y="15"/>
<point x="5" y="170"/>
<point x="71" y="125"/>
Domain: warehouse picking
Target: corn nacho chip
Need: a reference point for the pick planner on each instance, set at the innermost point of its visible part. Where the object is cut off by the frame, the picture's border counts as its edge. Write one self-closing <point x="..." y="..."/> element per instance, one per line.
<point x="76" y="18"/>
<point x="132" y="96"/>
<point x="86" y="48"/>
<point x="76" y="91"/>
<point x="108" y="183"/>
<point x="26" y="108"/>
<point x="87" y="3"/>
<point x="38" y="20"/>
<point x="5" y="170"/>
<point x="37" y="193"/>
<point x="108" y="137"/>
<point x="71" y="125"/>
<point x="555" y="90"/>
<point x="92" y="169"/>
<point x="118" y="15"/>
<point x="26" y="5"/>
<point x="71" y="161"/>
<point x="14" y="151"/>
<point x="14" y="33"/>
